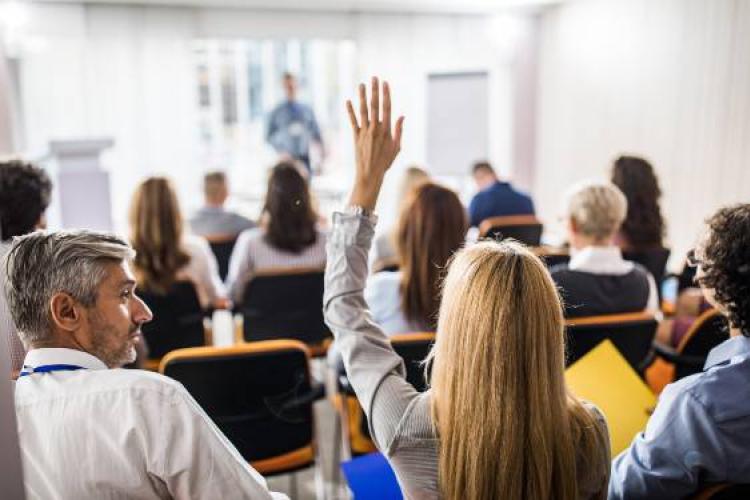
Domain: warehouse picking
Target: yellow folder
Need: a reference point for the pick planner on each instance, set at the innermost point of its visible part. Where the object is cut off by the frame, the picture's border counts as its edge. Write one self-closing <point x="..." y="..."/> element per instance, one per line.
<point x="604" y="378"/>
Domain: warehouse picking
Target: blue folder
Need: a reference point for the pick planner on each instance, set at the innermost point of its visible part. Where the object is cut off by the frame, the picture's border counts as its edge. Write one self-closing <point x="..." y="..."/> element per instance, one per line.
<point x="370" y="477"/>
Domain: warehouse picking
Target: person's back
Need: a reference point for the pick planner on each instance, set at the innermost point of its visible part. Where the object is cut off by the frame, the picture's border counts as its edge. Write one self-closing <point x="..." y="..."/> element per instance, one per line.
<point x="496" y="198"/>
<point x="213" y="219"/>
<point x="699" y="433"/>
<point x="597" y="280"/>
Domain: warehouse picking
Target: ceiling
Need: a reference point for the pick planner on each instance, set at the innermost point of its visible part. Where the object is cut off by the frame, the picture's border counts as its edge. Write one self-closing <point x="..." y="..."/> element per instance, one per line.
<point x="423" y="6"/>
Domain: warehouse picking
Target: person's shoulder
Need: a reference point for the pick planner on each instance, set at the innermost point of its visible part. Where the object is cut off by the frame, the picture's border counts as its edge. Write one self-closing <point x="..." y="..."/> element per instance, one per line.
<point x="384" y="279"/>
<point x="559" y="269"/>
<point x="192" y="242"/>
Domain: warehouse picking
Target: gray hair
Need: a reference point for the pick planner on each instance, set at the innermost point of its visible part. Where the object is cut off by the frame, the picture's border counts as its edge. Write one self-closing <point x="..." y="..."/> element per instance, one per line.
<point x="597" y="207"/>
<point x="41" y="264"/>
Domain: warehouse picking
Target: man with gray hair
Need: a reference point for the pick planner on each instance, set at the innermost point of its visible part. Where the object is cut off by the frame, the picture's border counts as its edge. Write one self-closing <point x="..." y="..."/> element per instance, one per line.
<point x="597" y="280"/>
<point x="88" y="429"/>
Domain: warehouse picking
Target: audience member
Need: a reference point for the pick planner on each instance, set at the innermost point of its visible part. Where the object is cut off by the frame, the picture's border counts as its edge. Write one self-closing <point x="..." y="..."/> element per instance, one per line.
<point x="498" y="421"/>
<point x="643" y="227"/>
<point x="700" y="430"/>
<point x="431" y="227"/>
<point x="597" y="280"/>
<point x="87" y="429"/>
<point x="495" y="197"/>
<point x="24" y="196"/>
<point x="164" y="253"/>
<point x="213" y="219"/>
<point x="287" y="236"/>
<point x="384" y="246"/>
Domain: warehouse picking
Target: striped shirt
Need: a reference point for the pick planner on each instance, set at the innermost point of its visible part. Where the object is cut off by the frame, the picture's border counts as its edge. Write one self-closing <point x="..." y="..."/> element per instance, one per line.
<point x="252" y="253"/>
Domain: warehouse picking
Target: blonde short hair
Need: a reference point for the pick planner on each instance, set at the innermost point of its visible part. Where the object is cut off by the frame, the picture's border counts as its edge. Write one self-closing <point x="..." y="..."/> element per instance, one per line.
<point x="597" y="207"/>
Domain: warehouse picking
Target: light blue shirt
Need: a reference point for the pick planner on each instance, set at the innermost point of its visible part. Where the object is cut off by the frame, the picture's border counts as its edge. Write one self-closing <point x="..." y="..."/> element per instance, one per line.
<point x="699" y="432"/>
<point x="291" y="128"/>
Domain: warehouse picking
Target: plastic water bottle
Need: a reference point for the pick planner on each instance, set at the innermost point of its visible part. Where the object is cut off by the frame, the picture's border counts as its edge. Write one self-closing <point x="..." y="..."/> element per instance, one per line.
<point x="223" y="328"/>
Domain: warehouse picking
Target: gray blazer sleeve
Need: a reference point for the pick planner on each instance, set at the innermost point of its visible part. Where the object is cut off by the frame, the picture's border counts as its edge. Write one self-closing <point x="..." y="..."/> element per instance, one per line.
<point x="375" y="371"/>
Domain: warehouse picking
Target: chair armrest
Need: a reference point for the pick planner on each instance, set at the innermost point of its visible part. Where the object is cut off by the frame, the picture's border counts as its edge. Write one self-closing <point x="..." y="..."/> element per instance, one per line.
<point x="345" y="387"/>
<point x="676" y="358"/>
<point x="317" y="392"/>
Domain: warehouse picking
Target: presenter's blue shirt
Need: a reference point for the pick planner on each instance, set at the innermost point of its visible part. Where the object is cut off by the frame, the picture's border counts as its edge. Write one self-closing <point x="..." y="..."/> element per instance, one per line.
<point x="497" y="200"/>
<point x="291" y="127"/>
<point x="698" y="434"/>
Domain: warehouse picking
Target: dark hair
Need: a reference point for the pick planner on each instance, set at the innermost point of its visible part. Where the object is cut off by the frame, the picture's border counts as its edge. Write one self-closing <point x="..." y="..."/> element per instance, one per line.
<point x="156" y="235"/>
<point x="482" y="165"/>
<point x="24" y="196"/>
<point x="431" y="227"/>
<point x="726" y="263"/>
<point x="644" y="225"/>
<point x="291" y="218"/>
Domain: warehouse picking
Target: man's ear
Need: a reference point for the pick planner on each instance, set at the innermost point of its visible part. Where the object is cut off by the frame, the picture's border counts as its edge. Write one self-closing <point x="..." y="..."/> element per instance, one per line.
<point x="65" y="312"/>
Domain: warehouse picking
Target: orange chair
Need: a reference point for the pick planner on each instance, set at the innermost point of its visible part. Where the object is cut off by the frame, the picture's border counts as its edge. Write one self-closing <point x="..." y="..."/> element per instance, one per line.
<point x="261" y="396"/>
<point x="525" y="228"/>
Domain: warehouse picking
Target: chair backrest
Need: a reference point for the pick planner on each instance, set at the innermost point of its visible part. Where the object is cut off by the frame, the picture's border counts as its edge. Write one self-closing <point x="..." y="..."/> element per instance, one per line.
<point x="552" y="256"/>
<point x="257" y="394"/>
<point x="724" y="491"/>
<point x="709" y="330"/>
<point x="631" y="333"/>
<point x="654" y="260"/>
<point x="525" y="228"/>
<point x="178" y="319"/>
<point x="285" y="304"/>
<point x="413" y="348"/>
<point x="222" y="246"/>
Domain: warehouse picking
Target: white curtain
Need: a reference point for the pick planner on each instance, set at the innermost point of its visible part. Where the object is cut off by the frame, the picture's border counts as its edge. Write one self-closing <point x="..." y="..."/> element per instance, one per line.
<point x="669" y="80"/>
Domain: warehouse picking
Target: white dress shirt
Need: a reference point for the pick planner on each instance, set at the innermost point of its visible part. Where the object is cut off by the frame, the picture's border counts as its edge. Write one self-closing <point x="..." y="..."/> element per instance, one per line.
<point x="97" y="433"/>
<point x="608" y="260"/>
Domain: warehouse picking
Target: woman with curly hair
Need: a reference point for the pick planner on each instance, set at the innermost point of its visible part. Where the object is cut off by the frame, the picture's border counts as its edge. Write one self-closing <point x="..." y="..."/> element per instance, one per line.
<point x="700" y="430"/>
<point x="643" y="227"/>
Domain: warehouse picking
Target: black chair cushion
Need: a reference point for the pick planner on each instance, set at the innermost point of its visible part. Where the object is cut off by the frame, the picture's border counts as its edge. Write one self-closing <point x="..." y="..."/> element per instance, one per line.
<point x="528" y="234"/>
<point x="222" y="250"/>
<point x="178" y="319"/>
<point x="633" y="339"/>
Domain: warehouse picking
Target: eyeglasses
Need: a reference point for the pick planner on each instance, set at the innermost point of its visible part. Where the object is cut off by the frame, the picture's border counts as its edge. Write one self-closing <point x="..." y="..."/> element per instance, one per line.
<point x="692" y="260"/>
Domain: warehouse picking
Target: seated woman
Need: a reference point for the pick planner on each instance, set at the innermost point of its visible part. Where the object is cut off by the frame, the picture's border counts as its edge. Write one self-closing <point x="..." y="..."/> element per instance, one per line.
<point x="699" y="433"/>
<point x="384" y="250"/>
<point x="287" y="236"/>
<point x="164" y="253"/>
<point x="597" y="280"/>
<point x="643" y="227"/>
<point x="431" y="227"/>
<point x="498" y="421"/>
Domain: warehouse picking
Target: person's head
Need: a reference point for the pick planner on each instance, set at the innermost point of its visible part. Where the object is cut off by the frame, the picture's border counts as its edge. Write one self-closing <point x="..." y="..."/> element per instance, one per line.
<point x="431" y="227"/>
<point x="290" y="218"/>
<point x="723" y="260"/>
<point x="484" y="175"/>
<point x="215" y="189"/>
<point x="24" y="196"/>
<point x="414" y="177"/>
<point x="156" y="232"/>
<point x="593" y="212"/>
<point x="644" y="225"/>
<point x="498" y="380"/>
<point x="75" y="289"/>
<point x="289" y="81"/>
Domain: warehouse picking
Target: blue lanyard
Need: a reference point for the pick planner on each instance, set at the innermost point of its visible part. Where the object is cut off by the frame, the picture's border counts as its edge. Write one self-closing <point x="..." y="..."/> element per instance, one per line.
<point x="49" y="369"/>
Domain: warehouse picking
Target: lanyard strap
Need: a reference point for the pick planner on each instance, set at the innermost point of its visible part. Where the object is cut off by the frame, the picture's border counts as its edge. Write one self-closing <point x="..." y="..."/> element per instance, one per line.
<point x="27" y="370"/>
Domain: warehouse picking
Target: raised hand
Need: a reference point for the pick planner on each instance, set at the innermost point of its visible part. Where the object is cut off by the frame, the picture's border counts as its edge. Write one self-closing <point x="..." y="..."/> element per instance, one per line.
<point x="375" y="146"/>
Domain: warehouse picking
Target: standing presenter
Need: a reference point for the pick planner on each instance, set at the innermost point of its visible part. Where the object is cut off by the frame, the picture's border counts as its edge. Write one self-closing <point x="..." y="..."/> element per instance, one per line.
<point x="292" y="126"/>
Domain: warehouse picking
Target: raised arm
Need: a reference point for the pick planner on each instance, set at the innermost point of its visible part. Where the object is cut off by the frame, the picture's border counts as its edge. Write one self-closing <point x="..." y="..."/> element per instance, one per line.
<point x="375" y="371"/>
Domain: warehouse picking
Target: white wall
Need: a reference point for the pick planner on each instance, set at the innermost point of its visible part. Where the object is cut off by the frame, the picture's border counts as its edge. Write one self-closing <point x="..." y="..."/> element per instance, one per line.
<point x="667" y="79"/>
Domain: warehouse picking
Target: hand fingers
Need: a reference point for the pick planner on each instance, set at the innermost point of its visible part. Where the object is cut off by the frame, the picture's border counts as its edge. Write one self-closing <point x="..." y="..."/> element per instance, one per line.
<point x="375" y="101"/>
<point x="364" y="122"/>
<point x="387" y="107"/>
<point x="352" y="116"/>
<point x="399" y="129"/>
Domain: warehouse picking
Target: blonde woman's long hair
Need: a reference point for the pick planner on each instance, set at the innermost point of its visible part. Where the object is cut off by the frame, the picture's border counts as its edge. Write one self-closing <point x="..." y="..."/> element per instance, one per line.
<point x="156" y="227"/>
<point x="507" y="425"/>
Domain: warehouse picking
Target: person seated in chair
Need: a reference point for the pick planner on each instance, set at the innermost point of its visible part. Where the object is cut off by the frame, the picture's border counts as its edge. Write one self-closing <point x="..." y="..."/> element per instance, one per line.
<point x="213" y="219"/>
<point x="495" y="197"/>
<point x="288" y="236"/>
<point x="164" y="253"/>
<point x="88" y="429"/>
<point x="699" y="432"/>
<point x="597" y="280"/>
